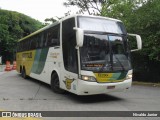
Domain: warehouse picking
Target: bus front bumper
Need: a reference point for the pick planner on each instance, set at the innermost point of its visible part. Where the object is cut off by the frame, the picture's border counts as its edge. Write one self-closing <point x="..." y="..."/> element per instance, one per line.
<point x="90" y="88"/>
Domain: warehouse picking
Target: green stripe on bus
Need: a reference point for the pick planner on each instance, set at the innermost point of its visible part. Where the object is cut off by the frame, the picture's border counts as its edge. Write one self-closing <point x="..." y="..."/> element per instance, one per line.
<point x="40" y="60"/>
<point x="122" y="76"/>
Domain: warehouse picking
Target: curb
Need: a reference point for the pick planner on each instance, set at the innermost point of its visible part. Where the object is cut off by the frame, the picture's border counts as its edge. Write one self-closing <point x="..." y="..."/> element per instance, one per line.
<point x="146" y="84"/>
<point x="1" y="73"/>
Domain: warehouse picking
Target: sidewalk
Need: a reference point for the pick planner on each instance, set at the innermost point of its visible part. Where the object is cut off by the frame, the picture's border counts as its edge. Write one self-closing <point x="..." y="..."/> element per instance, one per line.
<point x="2" y="67"/>
<point x="2" y="73"/>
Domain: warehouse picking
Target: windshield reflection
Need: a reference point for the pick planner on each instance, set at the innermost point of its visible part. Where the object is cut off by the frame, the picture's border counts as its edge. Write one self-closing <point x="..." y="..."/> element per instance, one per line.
<point x="104" y="52"/>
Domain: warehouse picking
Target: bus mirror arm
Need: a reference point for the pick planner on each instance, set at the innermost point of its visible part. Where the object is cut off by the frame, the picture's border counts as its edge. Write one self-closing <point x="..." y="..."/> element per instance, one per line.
<point x="79" y="36"/>
<point x="139" y="42"/>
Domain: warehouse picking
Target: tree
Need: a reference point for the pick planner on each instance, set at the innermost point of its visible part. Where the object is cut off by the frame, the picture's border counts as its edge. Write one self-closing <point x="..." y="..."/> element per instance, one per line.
<point x="145" y="21"/>
<point x="13" y="26"/>
<point x="102" y="7"/>
<point x="51" y="20"/>
<point x="90" y="6"/>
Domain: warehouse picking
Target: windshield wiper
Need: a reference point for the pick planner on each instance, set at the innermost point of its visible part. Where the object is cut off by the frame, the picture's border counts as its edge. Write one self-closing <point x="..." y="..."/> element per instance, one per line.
<point x="119" y="62"/>
<point x="106" y="62"/>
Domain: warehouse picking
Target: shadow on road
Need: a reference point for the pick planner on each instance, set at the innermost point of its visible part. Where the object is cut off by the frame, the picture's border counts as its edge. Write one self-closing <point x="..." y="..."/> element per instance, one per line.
<point x="93" y="98"/>
<point x="79" y="99"/>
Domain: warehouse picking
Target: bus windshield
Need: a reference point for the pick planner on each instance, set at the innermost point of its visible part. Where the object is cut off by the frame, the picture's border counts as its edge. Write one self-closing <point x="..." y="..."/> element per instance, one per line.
<point x="105" y="45"/>
<point x="105" y="53"/>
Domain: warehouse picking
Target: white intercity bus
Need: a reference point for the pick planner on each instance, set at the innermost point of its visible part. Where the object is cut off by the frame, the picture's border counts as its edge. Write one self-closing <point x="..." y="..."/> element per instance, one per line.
<point x="81" y="54"/>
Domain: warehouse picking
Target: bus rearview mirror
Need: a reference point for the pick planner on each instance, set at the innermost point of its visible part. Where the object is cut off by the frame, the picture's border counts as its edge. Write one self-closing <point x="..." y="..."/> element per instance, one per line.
<point x="79" y="36"/>
<point x="139" y="42"/>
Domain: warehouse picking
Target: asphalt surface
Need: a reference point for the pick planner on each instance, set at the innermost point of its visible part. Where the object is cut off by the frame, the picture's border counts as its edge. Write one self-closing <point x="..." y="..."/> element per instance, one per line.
<point x="18" y="94"/>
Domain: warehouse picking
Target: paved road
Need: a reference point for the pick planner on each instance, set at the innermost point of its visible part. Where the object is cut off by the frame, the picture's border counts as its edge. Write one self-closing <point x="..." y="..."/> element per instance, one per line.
<point x="19" y="94"/>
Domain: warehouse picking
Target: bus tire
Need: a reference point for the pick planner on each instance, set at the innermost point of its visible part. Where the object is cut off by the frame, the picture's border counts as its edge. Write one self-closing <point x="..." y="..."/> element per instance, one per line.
<point x="55" y="86"/>
<point x="24" y="73"/>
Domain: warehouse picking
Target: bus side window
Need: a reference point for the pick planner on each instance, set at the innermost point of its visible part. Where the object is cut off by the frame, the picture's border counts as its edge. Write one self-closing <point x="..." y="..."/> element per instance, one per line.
<point x="26" y="45"/>
<point x="18" y="47"/>
<point x="45" y="37"/>
<point x="37" y="41"/>
<point x="41" y="37"/>
<point x="33" y="43"/>
<point x="49" y="37"/>
<point x="53" y="36"/>
<point x="22" y="45"/>
<point x="29" y="44"/>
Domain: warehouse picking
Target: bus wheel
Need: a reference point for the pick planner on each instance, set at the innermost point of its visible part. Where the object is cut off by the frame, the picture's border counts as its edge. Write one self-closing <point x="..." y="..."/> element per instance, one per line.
<point x="55" y="84"/>
<point x="24" y="73"/>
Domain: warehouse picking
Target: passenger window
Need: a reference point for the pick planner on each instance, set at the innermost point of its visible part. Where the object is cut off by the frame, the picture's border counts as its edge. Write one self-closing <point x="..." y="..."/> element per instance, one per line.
<point x="53" y="36"/>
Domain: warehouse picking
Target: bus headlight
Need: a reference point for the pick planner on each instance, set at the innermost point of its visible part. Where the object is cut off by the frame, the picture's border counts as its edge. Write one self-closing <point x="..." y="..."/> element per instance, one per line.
<point x="88" y="78"/>
<point x="129" y="76"/>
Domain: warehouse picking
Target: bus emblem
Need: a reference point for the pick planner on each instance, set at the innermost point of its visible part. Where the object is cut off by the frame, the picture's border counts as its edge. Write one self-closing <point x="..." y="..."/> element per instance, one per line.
<point x="68" y="83"/>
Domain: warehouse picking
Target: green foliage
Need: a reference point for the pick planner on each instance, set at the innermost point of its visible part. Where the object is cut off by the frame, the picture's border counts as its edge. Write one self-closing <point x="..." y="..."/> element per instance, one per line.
<point x="148" y="25"/>
<point x="141" y="18"/>
<point x="51" y="20"/>
<point x="90" y="6"/>
<point x="13" y="26"/>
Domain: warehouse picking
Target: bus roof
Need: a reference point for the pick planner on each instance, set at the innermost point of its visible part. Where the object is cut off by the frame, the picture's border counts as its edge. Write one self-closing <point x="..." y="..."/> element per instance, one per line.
<point x="76" y="15"/>
<point x="65" y="18"/>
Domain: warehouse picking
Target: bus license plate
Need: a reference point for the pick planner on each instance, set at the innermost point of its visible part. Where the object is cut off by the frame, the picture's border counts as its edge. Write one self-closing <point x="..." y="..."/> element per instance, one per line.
<point x="110" y="87"/>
